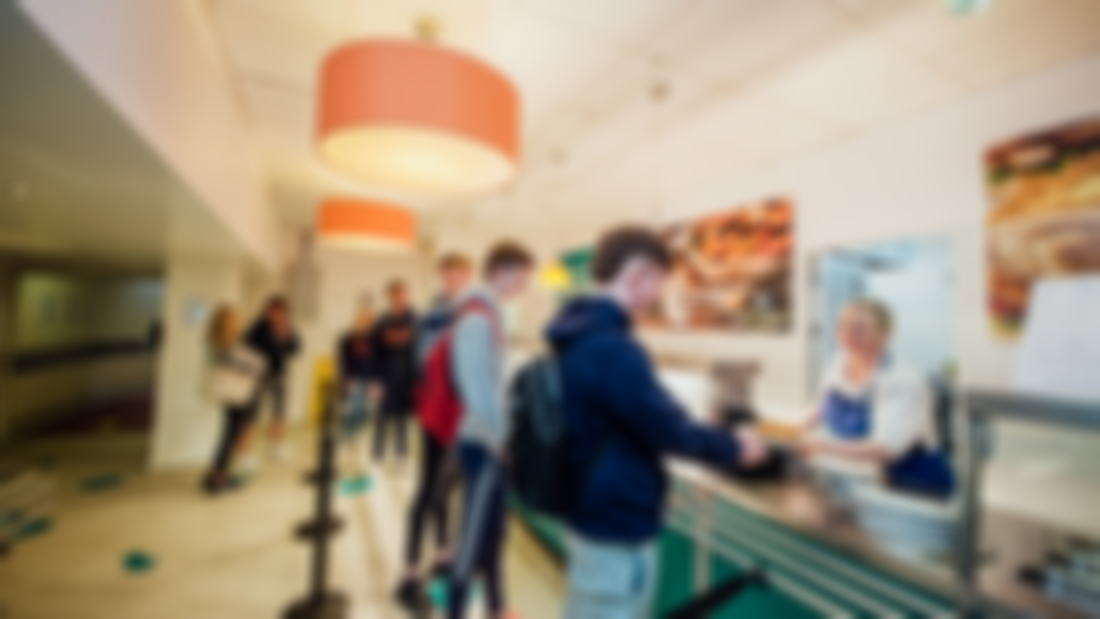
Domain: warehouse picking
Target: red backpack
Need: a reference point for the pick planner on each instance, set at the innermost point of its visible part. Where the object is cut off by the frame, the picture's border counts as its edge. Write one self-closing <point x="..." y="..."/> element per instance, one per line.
<point x="438" y="403"/>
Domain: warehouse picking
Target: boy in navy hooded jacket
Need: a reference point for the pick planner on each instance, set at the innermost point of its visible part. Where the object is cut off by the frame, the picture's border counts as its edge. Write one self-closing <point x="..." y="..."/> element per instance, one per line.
<point x="623" y="424"/>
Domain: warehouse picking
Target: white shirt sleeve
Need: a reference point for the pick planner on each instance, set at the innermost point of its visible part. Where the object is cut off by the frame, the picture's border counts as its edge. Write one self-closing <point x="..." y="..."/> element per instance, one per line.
<point x="902" y="409"/>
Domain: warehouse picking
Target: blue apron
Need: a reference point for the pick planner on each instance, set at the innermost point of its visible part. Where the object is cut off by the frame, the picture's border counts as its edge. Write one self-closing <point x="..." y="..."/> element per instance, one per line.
<point x="920" y="470"/>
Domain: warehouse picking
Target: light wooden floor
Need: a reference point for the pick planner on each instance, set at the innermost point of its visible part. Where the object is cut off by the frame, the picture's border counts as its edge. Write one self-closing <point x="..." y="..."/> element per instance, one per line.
<point x="232" y="556"/>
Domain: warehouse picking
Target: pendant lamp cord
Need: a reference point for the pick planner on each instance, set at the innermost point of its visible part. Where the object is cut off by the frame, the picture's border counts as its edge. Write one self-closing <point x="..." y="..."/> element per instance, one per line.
<point x="658" y="92"/>
<point x="426" y="29"/>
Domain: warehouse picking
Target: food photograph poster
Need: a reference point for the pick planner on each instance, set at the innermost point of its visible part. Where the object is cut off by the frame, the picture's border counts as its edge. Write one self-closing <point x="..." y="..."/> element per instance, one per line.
<point x="1044" y="218"/>
<point x="732" y="271"/>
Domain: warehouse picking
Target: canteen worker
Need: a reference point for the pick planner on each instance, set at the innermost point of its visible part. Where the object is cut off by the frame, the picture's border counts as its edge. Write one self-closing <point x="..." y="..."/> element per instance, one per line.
<point x="872" y="409"/>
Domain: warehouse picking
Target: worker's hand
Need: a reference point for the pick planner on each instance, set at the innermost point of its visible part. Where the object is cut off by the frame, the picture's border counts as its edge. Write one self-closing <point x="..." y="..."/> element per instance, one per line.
<point x="809" y="446"/>
<point x="754" y="449"/>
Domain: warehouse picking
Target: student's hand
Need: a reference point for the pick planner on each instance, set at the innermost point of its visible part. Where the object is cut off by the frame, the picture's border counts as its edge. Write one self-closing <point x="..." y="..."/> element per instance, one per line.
<point x="810" y="446"/>
<point x="754" y="449"/>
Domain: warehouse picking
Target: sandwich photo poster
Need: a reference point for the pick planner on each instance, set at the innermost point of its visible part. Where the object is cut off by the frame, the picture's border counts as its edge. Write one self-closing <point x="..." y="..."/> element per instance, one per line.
<point x="732" y="271"/>
<point x="1044" y="217"/>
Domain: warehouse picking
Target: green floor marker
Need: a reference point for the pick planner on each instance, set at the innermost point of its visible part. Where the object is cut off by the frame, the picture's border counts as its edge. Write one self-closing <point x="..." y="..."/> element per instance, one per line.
<point x="34" y="528"/>
<point x="101" y="483"/>
<point x="438" y="593"/>
<point x="359" y="484"/>
<point x="138" y="562"/>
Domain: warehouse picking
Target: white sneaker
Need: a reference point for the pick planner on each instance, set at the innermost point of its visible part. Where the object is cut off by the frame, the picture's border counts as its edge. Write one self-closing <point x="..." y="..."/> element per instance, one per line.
<point x="249" y="463"/>
<point x="282" y="452"/>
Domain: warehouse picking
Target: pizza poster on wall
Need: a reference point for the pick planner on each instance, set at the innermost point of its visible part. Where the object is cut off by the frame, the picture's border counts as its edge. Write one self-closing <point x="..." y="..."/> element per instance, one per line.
<point x="1044" y="220"/>
<point x="732" y="271"/>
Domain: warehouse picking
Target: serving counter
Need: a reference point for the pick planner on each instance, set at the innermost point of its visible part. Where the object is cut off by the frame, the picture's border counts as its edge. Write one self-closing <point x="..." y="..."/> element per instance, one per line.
<point x="820" y="566"/>
<point x="718" y="528"/>
<point x="818" y="563"/>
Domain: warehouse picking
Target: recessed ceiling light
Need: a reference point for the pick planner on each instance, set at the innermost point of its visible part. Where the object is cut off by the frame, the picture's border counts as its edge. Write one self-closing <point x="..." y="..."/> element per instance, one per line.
<point x="968" y="7"/>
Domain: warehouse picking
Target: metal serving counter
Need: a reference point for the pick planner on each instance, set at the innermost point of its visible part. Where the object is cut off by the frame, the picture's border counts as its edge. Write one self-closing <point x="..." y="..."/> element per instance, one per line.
<point x="995" y="546"/>
<point x="833" y="567"/>
<point x="820" y="565"/>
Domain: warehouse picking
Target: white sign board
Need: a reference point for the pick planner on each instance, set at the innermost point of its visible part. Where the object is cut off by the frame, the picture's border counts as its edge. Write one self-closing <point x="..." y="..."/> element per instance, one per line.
<point x="1059" y="353"/>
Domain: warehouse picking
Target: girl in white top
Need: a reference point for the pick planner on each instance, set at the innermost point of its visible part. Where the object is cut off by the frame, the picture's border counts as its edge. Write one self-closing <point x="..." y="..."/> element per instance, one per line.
<point x="234" y="374"/>
<point x="873" y="410"/>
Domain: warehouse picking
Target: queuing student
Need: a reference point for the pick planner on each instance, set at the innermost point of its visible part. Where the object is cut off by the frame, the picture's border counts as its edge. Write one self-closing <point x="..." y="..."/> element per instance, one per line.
<point x="478" y="366"/>
<point x="436" y="475"/>
<point x="358" y="371"/>
<point x="272" y="336"/>
<point x="394" y="340"/>
<point x="233" y="376"/>
<point x="624" y="424"/>
<point x="875" y="410"/>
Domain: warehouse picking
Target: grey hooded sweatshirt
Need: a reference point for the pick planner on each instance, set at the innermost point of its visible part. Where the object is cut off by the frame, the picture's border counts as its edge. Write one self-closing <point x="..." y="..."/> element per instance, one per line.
<point x="477" y="360"/>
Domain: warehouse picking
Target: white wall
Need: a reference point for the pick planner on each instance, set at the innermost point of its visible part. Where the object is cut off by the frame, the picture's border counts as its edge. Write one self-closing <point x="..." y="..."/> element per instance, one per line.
<point x="159" y="64"/>
<point x="921" y="179"/>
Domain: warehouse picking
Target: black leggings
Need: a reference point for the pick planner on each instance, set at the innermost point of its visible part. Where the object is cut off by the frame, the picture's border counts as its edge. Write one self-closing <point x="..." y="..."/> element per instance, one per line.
<point x="437" y="477"/>
<point x="390" y="418"/>
<point x="235" y="421"/>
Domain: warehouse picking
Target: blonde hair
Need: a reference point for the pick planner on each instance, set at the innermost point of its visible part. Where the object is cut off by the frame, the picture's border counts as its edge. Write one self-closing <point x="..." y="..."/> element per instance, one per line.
<point x="877" y="311"/>
<point x="217" y="332"/>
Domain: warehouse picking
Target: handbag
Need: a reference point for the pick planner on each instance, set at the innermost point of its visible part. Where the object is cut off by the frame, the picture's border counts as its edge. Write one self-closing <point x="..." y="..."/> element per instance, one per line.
<point x="227" y="385"/>
<point x="232" y="381"/>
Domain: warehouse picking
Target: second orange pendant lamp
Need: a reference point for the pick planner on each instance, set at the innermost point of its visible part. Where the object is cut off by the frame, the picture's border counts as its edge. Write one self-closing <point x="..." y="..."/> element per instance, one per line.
<point x="353" y="223"/>
<point x="417" y="118"/>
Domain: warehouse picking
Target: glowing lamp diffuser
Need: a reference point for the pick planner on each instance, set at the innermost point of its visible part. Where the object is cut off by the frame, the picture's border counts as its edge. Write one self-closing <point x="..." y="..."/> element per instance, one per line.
<point x="555" y="277"/>
<point x="362" y="225"/>
<point x="417" y="118"/>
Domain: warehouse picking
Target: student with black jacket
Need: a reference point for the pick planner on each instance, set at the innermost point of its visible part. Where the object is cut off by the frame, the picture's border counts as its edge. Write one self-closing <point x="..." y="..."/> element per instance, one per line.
<point x="272" y="336"/>
<point x="394" y="340"/>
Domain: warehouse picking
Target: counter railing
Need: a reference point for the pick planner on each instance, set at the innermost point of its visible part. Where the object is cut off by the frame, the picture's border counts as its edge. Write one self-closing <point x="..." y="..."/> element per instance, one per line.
<point x="982" y="410"/>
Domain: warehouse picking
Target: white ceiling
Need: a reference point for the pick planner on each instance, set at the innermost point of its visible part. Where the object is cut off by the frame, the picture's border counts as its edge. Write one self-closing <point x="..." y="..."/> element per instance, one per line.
<point x="76" y="182"/>
<point x="747" y="83"/>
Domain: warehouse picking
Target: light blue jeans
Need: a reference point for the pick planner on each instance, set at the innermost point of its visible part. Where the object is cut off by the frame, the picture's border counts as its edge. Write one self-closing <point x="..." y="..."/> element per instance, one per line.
<point x="356" y="410"/>
<point x="610" y="581"/>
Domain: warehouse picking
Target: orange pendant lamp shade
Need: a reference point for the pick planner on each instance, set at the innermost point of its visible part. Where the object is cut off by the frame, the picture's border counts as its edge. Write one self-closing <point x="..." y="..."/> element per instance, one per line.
<point x="417" y="118"/>
<point x="357" y="224"/>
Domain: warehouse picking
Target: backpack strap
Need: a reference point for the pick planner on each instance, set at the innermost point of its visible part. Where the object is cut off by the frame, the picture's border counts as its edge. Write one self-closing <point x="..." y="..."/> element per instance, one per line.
<point x="476" y="306"/>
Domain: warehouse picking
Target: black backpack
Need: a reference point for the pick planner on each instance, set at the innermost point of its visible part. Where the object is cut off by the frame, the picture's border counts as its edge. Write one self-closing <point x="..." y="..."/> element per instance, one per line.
<point x="538" y="447"/>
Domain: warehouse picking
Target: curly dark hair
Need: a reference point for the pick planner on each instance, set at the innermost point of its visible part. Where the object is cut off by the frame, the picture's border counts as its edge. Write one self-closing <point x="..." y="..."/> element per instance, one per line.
<point x="618" y="246"/>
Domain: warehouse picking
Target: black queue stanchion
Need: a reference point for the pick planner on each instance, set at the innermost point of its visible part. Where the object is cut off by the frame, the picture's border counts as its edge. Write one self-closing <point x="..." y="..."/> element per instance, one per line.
<point x="713" y="600"/>
<point x="320" y="602"/>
